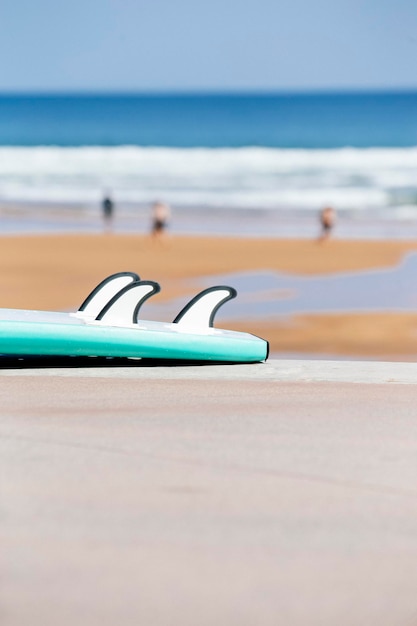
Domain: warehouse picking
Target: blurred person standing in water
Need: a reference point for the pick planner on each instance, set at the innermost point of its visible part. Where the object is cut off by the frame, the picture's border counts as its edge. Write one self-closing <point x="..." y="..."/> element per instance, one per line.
<point x="107" y="206"/>
<point x="327" y="221"/>
<point x="161" y="212"/>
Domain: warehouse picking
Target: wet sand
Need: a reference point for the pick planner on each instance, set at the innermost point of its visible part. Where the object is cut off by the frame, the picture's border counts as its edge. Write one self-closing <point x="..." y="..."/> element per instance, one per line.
<point x="56" y="272"/>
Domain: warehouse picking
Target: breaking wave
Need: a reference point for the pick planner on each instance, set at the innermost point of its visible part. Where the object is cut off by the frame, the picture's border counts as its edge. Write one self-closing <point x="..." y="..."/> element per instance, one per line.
<point x="243" y="178"/>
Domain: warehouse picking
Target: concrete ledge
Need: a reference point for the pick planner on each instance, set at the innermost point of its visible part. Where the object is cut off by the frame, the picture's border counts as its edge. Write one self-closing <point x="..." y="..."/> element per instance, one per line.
<point x="368" y="372"/>
<point x="278" y="493"/>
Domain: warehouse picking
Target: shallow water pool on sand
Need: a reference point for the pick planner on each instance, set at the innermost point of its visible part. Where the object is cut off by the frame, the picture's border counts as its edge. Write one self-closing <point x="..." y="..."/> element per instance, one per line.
<point x="272" y="294"/>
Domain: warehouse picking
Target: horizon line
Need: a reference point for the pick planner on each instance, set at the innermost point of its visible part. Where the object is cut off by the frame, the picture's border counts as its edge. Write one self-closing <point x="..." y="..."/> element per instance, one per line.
<point x="210" y="92"/>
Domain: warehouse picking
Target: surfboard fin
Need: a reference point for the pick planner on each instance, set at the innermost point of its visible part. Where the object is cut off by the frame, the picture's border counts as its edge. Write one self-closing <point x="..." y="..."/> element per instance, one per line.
<point x="201" y="310"/>
<point x="104" y="292"/>
<point x="124" y="307"/>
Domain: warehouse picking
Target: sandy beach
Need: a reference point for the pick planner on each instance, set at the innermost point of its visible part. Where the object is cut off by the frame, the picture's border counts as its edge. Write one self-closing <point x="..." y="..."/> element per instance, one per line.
<point x="56" y="272"/>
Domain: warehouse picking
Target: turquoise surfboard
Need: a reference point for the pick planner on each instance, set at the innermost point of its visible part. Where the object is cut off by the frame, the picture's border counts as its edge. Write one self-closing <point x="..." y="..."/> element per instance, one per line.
<point x="108" y="325"/>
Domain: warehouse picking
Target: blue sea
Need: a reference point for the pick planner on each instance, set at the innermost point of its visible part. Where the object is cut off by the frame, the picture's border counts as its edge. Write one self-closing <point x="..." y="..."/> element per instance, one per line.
<point x="206" y="154"/>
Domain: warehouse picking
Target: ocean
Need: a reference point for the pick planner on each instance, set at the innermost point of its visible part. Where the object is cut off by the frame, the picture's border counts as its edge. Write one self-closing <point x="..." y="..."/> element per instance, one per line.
<point x="281" y="155"/>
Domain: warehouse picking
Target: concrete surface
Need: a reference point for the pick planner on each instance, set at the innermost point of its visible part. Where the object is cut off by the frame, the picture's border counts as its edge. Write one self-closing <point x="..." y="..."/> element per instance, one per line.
<point x="216" y="495"/>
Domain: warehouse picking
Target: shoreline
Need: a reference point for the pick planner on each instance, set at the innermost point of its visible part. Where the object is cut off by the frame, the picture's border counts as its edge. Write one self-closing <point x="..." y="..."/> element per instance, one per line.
<point x="24" y="218"/>
<point x="56" y="272"/>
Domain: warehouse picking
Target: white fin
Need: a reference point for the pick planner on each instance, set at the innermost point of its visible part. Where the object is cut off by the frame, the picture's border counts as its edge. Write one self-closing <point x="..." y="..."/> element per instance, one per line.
<point x="123" y="308"/>
<point x="200" y="311"/>
<point x="104" y="292"/>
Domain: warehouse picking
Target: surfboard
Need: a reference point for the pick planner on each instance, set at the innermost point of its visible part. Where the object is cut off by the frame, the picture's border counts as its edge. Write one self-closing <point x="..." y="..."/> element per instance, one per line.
<point x="108" y="324"/>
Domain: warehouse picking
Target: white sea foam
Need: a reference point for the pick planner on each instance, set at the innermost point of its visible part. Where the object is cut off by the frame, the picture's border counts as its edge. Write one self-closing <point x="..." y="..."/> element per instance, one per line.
<point x="255" y="178"/>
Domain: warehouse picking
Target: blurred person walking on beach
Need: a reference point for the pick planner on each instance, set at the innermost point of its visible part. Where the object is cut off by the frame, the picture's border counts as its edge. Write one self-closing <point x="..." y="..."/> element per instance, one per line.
<point x="107" y="206"/>
<point x="161" y="212"/>
<point x="327" y="221"/>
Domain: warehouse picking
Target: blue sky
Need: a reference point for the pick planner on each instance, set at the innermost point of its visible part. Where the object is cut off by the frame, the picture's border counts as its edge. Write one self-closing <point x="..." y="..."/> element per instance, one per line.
<point x="163" y="45"/>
